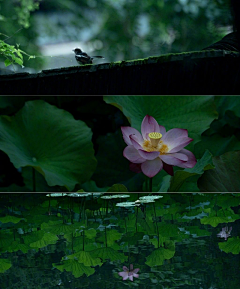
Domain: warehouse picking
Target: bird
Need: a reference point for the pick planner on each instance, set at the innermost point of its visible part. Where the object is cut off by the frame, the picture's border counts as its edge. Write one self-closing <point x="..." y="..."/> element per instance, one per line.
<point x="83" y="57"/>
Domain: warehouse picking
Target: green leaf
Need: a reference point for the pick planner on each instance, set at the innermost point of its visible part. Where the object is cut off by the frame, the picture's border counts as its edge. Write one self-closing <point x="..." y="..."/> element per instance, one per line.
<point x="46" y="239"/>
<point x="231" y="246"/>
<point x="10" y="219"/>
<point x="165" y="184"/>
<point x="51" y="141"/>
<point x="111" y="235"/>
<point x="194" y="113"/>
<point x="18" y="60"/>
<point x="117" y="188"/>
<point x="112" y="166"/>
<point x="227" y="201"/>
<point x="61" y="228"/>
<point x="75" y="267"/>
<point x="214" y="220"/>
<point x="205" y="163"/>
<point x="230" y="102"/>
<point x="8" y="62"/>
<point x="168" y="230"/>
<point x="157" y="257"/>
<point x="5" y="264"/>
<point x="86" y="258"/>
<point x="217" y="145"/>
<point x="15" y="246"/>
<point x="90" y="233"/>
<point x="108" y="254"/>
<point x="225" y="176"/>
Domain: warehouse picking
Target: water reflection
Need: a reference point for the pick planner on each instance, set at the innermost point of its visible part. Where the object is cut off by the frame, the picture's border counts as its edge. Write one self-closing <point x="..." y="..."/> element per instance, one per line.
<point x="96" y="240"/>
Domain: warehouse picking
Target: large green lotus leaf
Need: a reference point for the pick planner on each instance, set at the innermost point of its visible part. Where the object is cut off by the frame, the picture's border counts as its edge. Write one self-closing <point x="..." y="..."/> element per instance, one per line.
<point x="214" y="221"/>
<point x="225" y="176"/>
<point x="227" y="201"/>
<point x="41" y="183"/>
<point x="33" y="237"/>
<point x="155" y="243"/>
<point x="205" y="163"/>
<point x="225" y="103"/>
<point x="77" y="269"/>
<point x="86" y="258"/>
<point x="146" y="225"/>
<point x="5" y="238"/>
<point x="106" y="253"/>
<point x="16" y="246"/>
<point x="112" y="167"/>
<point x="49" y="139"/>
<point x="5" y="264"/>
<point x="221" y="216"/>
<point x="157" y="257"/>
<point x="10" y="219"/>
<point x="132" y="238"/>
<point x="168" y="230"/>
<point x="194" y="113"/>
<point x="195" y="230"/>
<point x="90" y="233"/>
<point x="117" y="188"/>
<point x="165" y="184"/>
<point x="48" y="238"/>
<point x="217" y="145"/>
<point x="62" y="228"/>
<point x="111" y="235"/>
<point x="231" y="246"/>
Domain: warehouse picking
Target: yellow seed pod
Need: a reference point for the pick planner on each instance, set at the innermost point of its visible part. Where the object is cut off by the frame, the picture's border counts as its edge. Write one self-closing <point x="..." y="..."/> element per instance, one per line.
<point x="155" y="138"/>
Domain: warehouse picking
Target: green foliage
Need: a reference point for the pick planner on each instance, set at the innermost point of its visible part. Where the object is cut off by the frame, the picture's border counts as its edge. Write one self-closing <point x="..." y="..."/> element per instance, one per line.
<point x="231" y="246"/>
<point x="158" y="256"/>
<point x="11" y="53"/>
<point x="4" y="265"/>
<point x="205" y="163"/>
<point x="61" y="150"/>
<point x="225" y="176"/>
<point x="194" y="113"/>
<point x="23" y="9"/>
<point x="77" y="269"/>
<point x="117" y="188"/>
<point x="83" y="247"/>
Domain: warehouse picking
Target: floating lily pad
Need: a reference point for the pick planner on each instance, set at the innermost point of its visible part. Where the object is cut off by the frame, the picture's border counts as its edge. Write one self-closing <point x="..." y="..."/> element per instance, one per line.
<point x="150" y="198"/>
<point x="126" y="204"/>
<point x="77" y="195"/>
<point x="118" y="196"/>
<point x="50" y="140"/>
<point x="55" y="195"/>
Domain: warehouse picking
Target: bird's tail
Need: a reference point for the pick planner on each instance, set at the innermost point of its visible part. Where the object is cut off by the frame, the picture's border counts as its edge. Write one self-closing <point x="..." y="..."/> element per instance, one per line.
<point x="97" y="57"/>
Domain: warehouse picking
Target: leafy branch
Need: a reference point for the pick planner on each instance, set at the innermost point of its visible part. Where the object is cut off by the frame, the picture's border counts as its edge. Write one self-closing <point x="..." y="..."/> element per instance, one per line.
<point x="12" y="54"/>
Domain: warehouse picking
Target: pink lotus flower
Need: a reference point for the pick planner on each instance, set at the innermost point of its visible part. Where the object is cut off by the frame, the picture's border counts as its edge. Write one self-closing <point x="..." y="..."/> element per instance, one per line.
<point x="129" y="273"/>
<point x="155" y="149"/>
<point x="225" y="233"/>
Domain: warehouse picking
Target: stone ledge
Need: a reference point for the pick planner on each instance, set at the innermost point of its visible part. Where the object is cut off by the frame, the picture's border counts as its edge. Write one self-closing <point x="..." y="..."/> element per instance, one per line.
<point x="199" y="72"/>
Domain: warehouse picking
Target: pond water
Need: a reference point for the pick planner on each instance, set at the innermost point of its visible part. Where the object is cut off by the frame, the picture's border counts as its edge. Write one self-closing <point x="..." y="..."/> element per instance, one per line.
<point x="96" y="240"/>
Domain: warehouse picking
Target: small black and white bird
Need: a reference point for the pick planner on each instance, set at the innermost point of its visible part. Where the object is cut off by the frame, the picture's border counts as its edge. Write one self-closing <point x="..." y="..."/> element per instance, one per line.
<point x="83" y="57"/>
